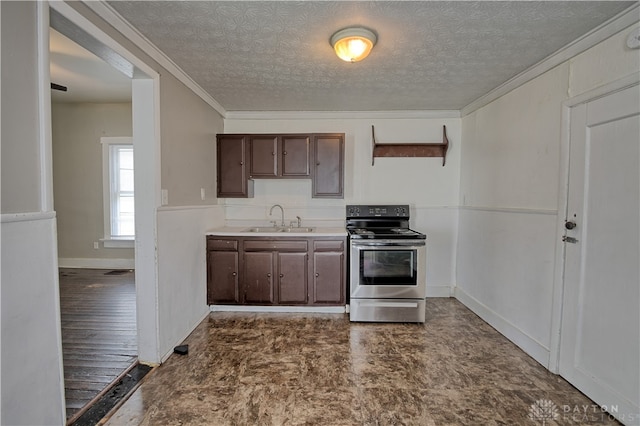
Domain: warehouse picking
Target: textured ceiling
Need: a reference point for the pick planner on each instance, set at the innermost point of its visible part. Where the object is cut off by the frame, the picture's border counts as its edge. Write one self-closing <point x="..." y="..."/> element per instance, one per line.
<point x="275" y="55"/>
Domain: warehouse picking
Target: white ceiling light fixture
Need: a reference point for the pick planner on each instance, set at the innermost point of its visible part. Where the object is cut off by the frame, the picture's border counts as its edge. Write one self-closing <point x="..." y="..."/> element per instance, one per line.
<point x="353" y="44"/>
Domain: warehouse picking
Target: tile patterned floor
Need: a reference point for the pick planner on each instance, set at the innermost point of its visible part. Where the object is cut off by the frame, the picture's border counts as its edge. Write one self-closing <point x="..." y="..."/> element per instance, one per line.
<point x="320" y="369"/>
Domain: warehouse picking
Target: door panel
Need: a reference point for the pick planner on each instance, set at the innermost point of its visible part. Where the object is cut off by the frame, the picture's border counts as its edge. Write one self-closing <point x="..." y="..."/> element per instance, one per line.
<point x="264" y="161"/>
<point x="223" y="277"/>
<point x="600" y="335"/>
<point x="232" y="167"/>
<point x="292" y="275"/>
<point x="258" y="277"/>
<point x="328" y="167"/>
<point x="328" y="278"/>
<point x="295" y="156"/>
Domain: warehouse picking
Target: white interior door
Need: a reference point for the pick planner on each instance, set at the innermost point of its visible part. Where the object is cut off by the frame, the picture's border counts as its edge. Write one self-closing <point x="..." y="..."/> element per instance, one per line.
<point x="600" y="336"/>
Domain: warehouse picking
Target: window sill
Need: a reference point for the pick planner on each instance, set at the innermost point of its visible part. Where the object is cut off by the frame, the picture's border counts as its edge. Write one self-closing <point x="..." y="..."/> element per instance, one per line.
<point x="115" y="242"/>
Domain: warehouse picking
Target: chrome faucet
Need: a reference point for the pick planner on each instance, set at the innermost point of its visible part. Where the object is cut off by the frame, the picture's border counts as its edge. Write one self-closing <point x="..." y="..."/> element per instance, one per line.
<point x="281" y="211"/>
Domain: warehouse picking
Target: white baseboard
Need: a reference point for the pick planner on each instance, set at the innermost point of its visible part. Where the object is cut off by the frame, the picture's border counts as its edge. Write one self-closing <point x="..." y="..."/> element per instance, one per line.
<point x="439" y="291"/>
<point x="525" y="342"/>
<point x="87" y="263"/>
<point x="284" y="309"/>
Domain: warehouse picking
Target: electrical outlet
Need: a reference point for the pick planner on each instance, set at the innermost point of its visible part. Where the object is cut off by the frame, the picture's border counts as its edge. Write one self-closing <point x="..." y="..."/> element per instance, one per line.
<point x="202" y="194"/>
<point x="96" y="245"/>
<point x="165" y="197"/>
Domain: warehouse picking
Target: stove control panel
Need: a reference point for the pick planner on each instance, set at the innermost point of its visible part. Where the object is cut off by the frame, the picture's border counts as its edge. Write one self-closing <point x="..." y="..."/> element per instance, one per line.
<point x="378" y="211"/>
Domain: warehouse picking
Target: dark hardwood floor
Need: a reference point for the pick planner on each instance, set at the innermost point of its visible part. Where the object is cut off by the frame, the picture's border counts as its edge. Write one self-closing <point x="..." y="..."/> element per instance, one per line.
<point x="99" y="339"/>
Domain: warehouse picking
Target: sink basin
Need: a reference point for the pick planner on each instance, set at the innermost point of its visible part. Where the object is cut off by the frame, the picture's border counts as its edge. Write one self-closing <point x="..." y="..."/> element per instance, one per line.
<point x="296" y="230"/>
<point x="263" y="229"/>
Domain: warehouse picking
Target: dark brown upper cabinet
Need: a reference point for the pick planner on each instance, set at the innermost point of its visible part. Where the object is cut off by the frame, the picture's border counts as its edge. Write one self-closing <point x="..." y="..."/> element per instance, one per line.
<point x="328" y="166"/>
<point x="232" y="167"/>
<point x="244" y="157"/>
<point x="274" y="156"/>
<point x="295" y="155"/>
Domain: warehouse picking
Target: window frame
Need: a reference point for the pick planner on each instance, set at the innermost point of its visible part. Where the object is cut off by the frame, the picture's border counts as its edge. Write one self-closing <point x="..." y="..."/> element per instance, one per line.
<point x="109" y="240"/>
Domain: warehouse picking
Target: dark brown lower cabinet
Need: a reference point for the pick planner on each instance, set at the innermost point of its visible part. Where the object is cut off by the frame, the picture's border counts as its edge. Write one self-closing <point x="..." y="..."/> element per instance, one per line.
<point x="276" y="271"/>
<point x="328" y="272"/>
<point x="222" y="271"/>
<point x="258" y="277"/>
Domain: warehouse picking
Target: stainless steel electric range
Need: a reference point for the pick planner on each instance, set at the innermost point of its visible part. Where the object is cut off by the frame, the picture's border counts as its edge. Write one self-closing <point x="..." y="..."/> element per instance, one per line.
<point x="387" y="265"/>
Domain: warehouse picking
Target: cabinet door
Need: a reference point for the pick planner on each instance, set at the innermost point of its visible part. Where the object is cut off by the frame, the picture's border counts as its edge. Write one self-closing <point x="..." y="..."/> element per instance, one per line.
<point x="263" y="151"/>
<point x="232" y="167"/>
<point x="328" y="277"/>
<point x="295" y="156"/>
<point x="328" y="166"/>
<point x="258" y="277"/>
<point x="292" y="278"/>
<point x="222" y="277"/>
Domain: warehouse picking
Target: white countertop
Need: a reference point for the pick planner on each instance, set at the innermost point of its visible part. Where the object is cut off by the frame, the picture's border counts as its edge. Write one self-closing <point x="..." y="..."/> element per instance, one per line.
<point x="241" y="231"/>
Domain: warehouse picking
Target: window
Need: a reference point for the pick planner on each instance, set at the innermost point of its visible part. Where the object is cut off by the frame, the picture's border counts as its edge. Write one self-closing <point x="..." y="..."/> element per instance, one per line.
<point x="119" y="212"/>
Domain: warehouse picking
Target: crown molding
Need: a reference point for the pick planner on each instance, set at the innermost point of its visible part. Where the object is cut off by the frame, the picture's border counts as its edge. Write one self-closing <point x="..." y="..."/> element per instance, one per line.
<point x="337" y="115"/>
<point x="613" y="26"/>
<point x="113" y="18"/>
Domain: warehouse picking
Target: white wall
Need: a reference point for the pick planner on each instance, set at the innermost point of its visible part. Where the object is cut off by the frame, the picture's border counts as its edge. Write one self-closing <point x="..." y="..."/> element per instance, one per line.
<point x="430" y="189"/>
<point x="509" y="192"/>
<point x="77" y="180"/>
<point x="182" y="286"/>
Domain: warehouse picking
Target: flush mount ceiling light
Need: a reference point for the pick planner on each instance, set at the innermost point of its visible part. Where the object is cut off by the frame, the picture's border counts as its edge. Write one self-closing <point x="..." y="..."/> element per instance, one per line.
<point x="353" y="44"/>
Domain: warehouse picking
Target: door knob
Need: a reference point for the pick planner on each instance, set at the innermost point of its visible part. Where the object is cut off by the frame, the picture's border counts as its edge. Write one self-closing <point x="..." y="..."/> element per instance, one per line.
<point x="570" y="224"/>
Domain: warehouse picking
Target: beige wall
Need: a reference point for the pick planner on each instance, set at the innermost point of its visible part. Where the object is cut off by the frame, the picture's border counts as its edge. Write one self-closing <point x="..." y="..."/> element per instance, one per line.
<point x="188" y="155"/>
<point x="77" y="175"/>
<point x="20" y="149"/>
<point x="188" y="127"/>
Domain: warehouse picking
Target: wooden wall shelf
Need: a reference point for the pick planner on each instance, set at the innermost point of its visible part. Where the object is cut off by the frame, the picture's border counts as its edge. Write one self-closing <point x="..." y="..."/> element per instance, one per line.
<point x="429" y="149"/>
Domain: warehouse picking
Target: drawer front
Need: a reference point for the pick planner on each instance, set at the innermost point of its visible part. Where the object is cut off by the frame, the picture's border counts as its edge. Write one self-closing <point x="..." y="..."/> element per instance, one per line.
<point x="214" y="244"/>
<point x="328" y="246"/>
<point x="255" y="245"/>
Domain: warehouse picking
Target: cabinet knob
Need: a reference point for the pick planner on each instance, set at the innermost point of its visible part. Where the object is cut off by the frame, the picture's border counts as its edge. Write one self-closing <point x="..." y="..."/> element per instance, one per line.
<point x="318" y="163"/>
<point x="273" y="153"/>
<point x="317" y="274"/>
<point x="242" y="163"/>
<point x="284" y="153"/>
<point x="269" y="275"/>
<point x="234" y="274"/>
<point x="281" y="275"/>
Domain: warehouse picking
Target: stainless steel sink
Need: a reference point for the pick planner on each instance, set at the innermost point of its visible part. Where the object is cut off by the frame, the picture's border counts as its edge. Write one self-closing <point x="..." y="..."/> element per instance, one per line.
<point x="263" y="229"/>
<point x="296" y="230"/>
<point x="266" y="229"/>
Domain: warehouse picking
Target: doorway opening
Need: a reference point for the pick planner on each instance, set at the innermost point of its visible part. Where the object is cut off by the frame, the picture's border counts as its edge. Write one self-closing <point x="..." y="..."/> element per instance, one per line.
<point x="117" y="274"/>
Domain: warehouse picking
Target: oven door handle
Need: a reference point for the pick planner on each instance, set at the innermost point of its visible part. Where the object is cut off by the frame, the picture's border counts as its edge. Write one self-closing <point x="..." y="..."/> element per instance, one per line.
<point x="388" y="244"/>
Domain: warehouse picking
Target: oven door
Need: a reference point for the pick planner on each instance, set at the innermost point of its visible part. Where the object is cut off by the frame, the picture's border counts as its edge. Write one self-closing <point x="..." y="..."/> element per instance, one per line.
<point x="394" y="269"/>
